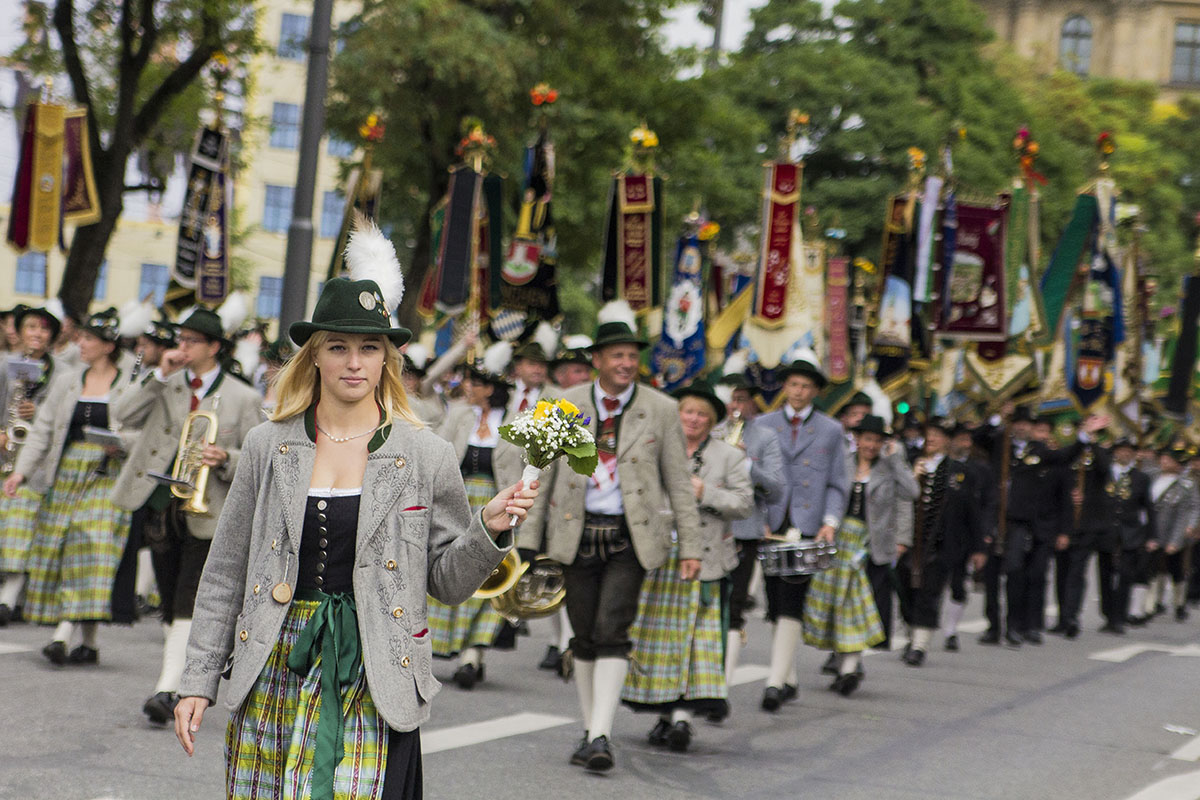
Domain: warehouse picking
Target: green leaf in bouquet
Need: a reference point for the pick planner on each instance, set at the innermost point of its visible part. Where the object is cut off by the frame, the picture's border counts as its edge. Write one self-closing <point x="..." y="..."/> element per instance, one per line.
<point x="585" y="465"/>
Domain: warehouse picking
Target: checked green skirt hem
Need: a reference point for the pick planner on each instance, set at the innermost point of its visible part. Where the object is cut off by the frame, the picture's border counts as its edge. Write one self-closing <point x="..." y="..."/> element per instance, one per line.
<point x="840" y="613"/>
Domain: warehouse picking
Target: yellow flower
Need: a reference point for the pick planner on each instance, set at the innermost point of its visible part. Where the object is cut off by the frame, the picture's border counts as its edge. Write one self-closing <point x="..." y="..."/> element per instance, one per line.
<point x="542" y="408"/>
<point x="569" y="408"/>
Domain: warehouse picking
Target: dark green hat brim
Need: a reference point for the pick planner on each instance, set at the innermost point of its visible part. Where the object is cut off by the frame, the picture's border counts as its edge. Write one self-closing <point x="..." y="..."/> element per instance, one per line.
<point x="807" y="370"/>
<point x="704" y="394"/>
<point x="301" y="332"/>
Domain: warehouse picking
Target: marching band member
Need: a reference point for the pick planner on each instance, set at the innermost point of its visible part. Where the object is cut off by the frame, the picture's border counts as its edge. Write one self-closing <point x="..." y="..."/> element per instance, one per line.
<point x="962" y="451"/>
<point x="1176" y="515"/>
<point x="188" y="378"/>
<point x="677" y="634"/>
<point x="80" y="535"/>
<point x="840" y="614"/>
<point x="473" y="427"/>
<point x="573" y="364"/>
<point x="1123" y="554"/>
<point x="609" y="529"/>
<point x="344" y="512"/>
<point x="36" y="328"/>
<point x="813" y="502"/>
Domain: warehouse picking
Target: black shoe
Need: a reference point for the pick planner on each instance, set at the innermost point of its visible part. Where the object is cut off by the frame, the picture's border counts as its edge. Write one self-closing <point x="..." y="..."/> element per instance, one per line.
<point x="1013" y="639"/>
<point x="1072" y="630"/>
<point x="717" y="716"/>
<point x="1137" y="622"/>
<point x="598" y="757"/>
<point x="1181" y="613"/>
<point x="1112" y="627"/>
<point x="467" y="676"/>
<point x="5" y="615"/>
<point x="579" y="757"/>
<point x="1059" y="629"/>
<point x="84" y="655"/>
<point x="789" y="692"/>
<point x="658" y="735"/>
<point x="952" y="643"/>
<point x="846" y="684"/>
<point x="1159" y="608"/>
<point x="990" y="637"/>
<point x="907" y="650"/>
<point x="772" y="699"/>
<point x="1034" y="637"/>
<point x="56" y="653"/>
<point x="679" y="737"/>
<point x="915" y="658"/>
<point x="552" y="660"/>
<point x="161" y="707"/>
<point x="830" y="665"/>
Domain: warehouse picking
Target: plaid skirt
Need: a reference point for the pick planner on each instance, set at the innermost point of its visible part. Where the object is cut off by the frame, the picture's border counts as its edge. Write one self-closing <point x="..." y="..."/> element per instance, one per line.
<point x="678" y="656"/>
<point x="271" y="738"/>
<point x="840" y="613"/>
<point x="474" y="623"/>
<point x="78" y="543"/>
<point x="18" y="523"/>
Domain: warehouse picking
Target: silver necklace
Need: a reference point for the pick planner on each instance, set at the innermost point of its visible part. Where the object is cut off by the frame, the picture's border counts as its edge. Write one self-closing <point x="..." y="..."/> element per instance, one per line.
<point x="340" y="439"/>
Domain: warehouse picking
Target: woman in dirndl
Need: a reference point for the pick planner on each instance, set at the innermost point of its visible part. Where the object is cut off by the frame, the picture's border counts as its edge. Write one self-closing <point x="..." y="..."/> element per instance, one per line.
<point x="342" y="514"/>
<point x="678" y="657"/>
<point x="473" y="427"/>
<point x="840" y="613"/>
<point x="80" y="535"/>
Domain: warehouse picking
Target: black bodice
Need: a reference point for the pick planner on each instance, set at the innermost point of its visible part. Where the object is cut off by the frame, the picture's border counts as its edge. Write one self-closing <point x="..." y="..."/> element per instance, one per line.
<point x="858" y="501"/>
<point x="327" y="544"/>
<point x="92" y="413"/>
<point x="477" y="461"/>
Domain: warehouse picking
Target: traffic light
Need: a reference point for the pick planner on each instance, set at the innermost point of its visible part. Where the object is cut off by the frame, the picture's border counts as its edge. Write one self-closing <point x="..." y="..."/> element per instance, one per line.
<point x="902" y="408"/>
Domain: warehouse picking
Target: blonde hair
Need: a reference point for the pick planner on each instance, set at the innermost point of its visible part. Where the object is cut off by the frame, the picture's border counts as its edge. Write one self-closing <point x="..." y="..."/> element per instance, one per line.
<point x="298" y="386"/>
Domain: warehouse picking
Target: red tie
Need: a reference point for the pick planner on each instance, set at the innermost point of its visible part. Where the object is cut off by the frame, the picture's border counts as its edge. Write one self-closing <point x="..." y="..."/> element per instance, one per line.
<point x="606" y="442"/>
<point x="611" y="404"/>
<point x="797" y="421"/>
<point x="195" y="383"/>
<point x="524" y="401"/>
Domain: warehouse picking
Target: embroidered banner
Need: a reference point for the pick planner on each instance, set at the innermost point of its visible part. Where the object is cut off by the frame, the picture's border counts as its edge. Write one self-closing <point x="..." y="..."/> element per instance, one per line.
<point x="893" y="335"/>
<point x="973" y="274"/>
<point x="81" y="204"/>
<point x="459" y="241"/>
<point x="781" y="196"/>
<point x="923" y="283"/>
<point x="529" y="274"/>
<point x="837" y="318"/>
<point x="678" y="355"/>
<point x="632" y="251"/>
<point x="201" y="219"/>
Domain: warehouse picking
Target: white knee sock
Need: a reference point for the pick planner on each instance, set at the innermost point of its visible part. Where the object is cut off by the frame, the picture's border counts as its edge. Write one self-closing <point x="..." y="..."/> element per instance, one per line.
<point x="610" y="678"/>
<point x="89" y="633"/>
<point x="1137" y="600"/>
<point x="555" y="630"/>
<point x="733" y="652"/>
<point x="145" y="573"/>
<point x="756" y="580"/>
<point x="10" y="592"/>
<point x="472" y="656"/>
<point x="564" y="630"/>
<point x="954" y="615"/>
<point x="783" y="651"/>
<point x="585" y="683"/>
<point x="64" y="631"/>
<point x="849" y="663"/>
<point x="174" y="655"/>
<point x="681" y="715"/>
<point x="921" y="637"/>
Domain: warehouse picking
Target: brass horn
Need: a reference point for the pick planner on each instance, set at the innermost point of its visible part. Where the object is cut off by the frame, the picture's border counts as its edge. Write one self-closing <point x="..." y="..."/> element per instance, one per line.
<point x="538" y="592"/>
<point x="503" y="577"/>
<point x="199" y="431"/>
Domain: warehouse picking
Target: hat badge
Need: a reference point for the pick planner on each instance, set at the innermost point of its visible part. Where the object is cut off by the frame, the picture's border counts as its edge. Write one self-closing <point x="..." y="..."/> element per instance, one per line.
<point x="366" y="300"/>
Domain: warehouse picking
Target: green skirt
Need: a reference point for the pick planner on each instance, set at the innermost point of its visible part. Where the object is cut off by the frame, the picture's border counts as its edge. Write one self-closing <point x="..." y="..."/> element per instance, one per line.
<point x="18" y="524"/>
<point x="840" y="613"/>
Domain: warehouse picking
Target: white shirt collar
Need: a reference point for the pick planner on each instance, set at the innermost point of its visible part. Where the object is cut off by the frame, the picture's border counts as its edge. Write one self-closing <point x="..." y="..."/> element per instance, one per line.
<point x="623" y="398"/>
<point x="803" y="413"/>
<point x="206" y="380"/>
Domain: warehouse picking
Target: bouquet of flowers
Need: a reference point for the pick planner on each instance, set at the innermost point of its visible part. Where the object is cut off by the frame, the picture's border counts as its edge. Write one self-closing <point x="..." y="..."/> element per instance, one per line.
<point x="547" y="432"/>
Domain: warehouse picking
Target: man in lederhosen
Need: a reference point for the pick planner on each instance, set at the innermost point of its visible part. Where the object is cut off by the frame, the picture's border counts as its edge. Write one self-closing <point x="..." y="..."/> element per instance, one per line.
<point x="608" y="529"/>
<point x="813" y="501"/>
<point x="188" y="378"/>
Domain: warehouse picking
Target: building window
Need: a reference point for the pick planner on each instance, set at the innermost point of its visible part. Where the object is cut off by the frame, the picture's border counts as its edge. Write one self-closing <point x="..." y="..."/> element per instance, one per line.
<point x="100" y="290"/>
<point x="1185" y="64"/>
<point x="31" y="274"/>
<point x="277" y="209"/>
<point x="338" y="148"/>
<point x="270" y="297"/>
<point x="333" y="205"/>
<point x="285" y="126"/>
<point x="1075" y="47"/>
<point x="154" y="283"/>
<point x="293" y="37"/>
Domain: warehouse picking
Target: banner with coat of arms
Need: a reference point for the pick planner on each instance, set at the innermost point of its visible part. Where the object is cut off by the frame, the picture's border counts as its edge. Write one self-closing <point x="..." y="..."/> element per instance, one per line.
<point x="678" y="355"/>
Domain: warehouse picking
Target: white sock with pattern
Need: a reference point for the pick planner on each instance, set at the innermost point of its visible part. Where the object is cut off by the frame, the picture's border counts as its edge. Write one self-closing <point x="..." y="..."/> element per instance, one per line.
<point x="585" y="683"/>
<point x="609" y="680"/>
<point x="63" y="632"/>
<point x="10" y="592"/>
<point x="954" y="615"/>
<point x="783" y="651"/>
<point x="174" y="655"/>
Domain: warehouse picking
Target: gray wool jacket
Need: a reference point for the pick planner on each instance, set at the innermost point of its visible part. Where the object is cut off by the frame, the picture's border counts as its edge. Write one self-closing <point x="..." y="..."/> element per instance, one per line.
<point x="415" y="536"/>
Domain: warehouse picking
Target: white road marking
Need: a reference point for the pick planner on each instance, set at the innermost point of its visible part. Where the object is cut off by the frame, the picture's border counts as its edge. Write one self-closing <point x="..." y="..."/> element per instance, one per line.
<point x="1180" y="787"/>
<point x="6" y="649"/>
<point x="1189" y="752"/>
<point x="1121" y="654"/>
<point x="489" y="730"/>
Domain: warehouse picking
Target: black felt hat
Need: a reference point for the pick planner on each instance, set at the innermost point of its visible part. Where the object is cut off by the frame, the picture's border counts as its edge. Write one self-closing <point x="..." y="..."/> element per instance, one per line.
<point x="857" y="399"/>
<point x="22" y="311"/>
<point x="738" y="380"/>
<point x="160" y="331"/>
<point x="205" y="321"/>
<point x="1023" y="414"/>
<point x="347" y="306"/>
<point x="804" y="367"/>
<point x="617" y="333"/>
<point x="701" y="388"/>
<point x="941" y="424"/>
<point x="871" y="424"/>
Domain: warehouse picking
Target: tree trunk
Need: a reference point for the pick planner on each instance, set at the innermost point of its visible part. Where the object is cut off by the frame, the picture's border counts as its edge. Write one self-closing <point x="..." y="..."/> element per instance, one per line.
<point x="422" y="264"/>
<point x="90" y="242"/>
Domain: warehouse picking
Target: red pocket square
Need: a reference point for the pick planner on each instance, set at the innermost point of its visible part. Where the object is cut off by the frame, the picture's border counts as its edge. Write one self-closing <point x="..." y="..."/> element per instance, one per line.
<point x="422" y="634"/>
<point x="416" y="508"/>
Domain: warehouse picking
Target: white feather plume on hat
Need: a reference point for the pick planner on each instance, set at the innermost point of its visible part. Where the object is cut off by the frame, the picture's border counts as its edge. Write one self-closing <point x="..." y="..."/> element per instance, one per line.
<point x="617" y="311"/>
<point x="545" y="335"/>
<point x="247" y="353"/>
<point x="736" y="363"/>
<point x="233" y="312"/>
<point x="724" y="391"/>
<point x="418" y="354"/>
<point x="54" y="308"/>
<point x="801" y="353"/>
<point x="881" y="404"/>
<point x="496" y="358"/>
<point x="135" y="316"/>
<point x="576" y="341"/>
<point x="371" y="257"/>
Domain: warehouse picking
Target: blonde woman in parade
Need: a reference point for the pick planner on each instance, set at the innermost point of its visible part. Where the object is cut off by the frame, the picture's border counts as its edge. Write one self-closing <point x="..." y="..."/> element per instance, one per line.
<point x="473" y="428"/>
<point x="36" y="328"/>
<point x="678" y="634"/>
<point x="840" y="613"/>
<point x="80" y="535"/>
<point x="343" y="513"/>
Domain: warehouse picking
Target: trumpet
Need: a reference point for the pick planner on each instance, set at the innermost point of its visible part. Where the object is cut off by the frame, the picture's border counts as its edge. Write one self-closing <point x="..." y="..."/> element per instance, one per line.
<point x="737" y="425"/>
<point x="190" y="474"/>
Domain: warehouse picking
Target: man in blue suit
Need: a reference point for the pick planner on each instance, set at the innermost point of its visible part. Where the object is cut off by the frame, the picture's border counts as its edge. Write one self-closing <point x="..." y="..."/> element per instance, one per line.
<point x="813" y="501"/>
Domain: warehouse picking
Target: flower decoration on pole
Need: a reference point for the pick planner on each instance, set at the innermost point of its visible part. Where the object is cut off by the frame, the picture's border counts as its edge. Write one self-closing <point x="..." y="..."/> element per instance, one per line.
<point x="371" y="131"/>
<point x="642" y="144"/>
<point x="1107" y="145"/>
<point x="549" y="431"/>
<point x="543" y="95"/>
<point x="1027" y="151"/>
<point x="476" y="146"/>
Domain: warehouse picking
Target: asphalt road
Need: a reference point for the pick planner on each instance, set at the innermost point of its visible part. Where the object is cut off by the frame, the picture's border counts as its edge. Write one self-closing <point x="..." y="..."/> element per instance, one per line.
<point x="1099" y="718"/>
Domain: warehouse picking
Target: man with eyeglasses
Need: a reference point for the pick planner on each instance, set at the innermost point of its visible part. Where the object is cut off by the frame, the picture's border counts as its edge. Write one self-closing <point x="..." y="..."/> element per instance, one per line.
<point x="188" y="378"/>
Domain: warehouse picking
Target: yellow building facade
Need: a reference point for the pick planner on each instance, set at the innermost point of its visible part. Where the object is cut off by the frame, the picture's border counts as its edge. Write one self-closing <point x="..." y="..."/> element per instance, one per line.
<point x="143" y="247"/>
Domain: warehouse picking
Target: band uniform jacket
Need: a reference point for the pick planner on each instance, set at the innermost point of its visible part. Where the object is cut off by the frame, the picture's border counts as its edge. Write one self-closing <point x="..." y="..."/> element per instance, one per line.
<point x="415" y="535"/>
<point x="1131" y="512"/>
<point x="1176" y="511"/>
<point x="1095" y="513"/>
<point x="953" y="522"/>
<point x="653" y="469"/>
<point x="766" y="475"/>
<point x="457" y="427"/>
<point x="160" y="408"/>
<point x="728" y="495"/>
<point x="891" y="489"/>
<point x="431" y="410"/>
<point x="1032" y="479"/>
<point x="816" y="485"/>
<point x="39" y="456"/>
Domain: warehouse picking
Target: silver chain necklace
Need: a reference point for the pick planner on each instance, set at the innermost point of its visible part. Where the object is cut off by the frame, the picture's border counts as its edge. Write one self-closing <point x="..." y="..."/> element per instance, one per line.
<point x="341" y="439"/>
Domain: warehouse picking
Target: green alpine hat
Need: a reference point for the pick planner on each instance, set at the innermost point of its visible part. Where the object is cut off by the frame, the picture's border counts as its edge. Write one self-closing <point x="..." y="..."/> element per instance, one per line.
<point x="871" y="424"/>
<point x="857" y="399"/>
<point x="700" y="388"/>
<point x="160" y="331"/>
<point x="347" y="306"/>
<point x="532" y="351"/>
<point x="617" y="333"/>
<point x="205" y="321"/>
<point x="104" y="324"/>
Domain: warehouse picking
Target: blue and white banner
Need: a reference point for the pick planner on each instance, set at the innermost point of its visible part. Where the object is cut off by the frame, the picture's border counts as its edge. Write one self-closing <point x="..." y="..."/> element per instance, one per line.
<point x="679" y="354"/>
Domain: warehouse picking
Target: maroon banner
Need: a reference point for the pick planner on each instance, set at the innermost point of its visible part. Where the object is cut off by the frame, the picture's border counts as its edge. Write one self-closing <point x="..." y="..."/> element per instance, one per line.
<point x="81" y="203"/>
<point x="837" y="317"/>
<point x="635" y="207"/>
<point x="973" y="284"/>
<point x="22" y="196"/>
<point x="781" y="196"/>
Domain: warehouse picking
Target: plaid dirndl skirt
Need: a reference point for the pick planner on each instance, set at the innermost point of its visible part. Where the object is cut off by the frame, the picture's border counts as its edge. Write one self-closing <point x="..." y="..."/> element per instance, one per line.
<point x="78" y="543"/>
<point x="840" y="613"/>
<point x="474" y="623"/>
<point x="678" y="656"/>
<point x="18" y="524"/>
<point x="272" y="736"/>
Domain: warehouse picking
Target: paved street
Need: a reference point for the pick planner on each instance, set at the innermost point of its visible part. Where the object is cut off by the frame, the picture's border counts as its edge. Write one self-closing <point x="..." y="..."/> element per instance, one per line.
<point x="1099" y="718"/>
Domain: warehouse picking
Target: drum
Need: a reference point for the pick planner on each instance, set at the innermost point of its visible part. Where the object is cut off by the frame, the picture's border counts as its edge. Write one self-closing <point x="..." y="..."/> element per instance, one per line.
<point x="795" y="559"/>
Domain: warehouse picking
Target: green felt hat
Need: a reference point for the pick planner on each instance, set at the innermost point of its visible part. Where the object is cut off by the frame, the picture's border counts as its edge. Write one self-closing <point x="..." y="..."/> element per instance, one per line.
<point x="533" y="351"/>
<point x="347" y="306"/>
<point x="700" y="388"/>
<point x="617" y="333"/>
<point x="104" y="324"/>
<point x="804" y="367"/>
<point x="857" y="399"/>
<point x="205" y="321"/>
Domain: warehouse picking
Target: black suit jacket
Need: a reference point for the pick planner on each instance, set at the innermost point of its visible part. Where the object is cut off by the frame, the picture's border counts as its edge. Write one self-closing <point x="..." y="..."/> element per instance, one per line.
<point x="1032" y="479"/>
<point x="957" y="529"/>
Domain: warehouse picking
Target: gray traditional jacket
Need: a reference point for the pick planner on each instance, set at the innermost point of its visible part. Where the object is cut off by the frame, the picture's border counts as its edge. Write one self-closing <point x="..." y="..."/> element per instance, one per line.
<point x="415" y="536"/>
<point x="891" y="490"/>
<point x="816" y="487"/>
<point x="728" y="495"/>
<point x="1176" y="511"/>
<point x="766" y="474"/>
<point x="507" y="459"/>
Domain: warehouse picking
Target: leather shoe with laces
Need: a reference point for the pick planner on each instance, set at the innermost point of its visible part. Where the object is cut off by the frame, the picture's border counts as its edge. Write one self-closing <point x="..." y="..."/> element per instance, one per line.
<point x="679" y="737"/>
<point x="579" y="757"/>
<point x="658" y="734"/>
<point x="467" y="676"/>
<point x="951" y="643"/>
<point x="599" y="757"/>
<point x="84" y="655"/>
